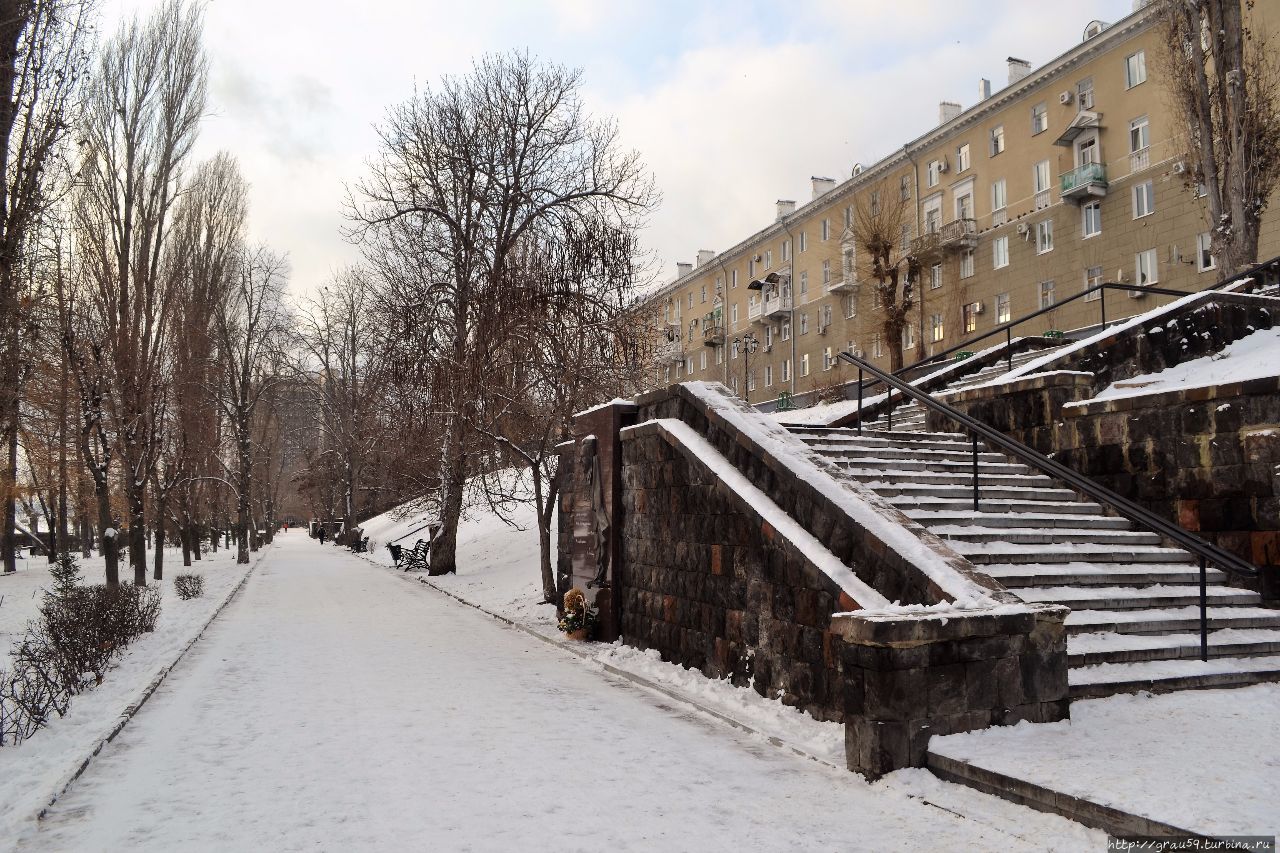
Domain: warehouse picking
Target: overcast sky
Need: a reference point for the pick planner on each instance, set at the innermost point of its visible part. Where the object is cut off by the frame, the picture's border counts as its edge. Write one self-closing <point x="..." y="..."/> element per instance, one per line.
<point x="732" y="104"/>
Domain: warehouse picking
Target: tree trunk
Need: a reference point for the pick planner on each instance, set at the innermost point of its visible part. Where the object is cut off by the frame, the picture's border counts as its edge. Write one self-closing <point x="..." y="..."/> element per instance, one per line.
<point x="444" y="557"/>
<point x="8" y="491"/>
<point x="184" y="536"/>
<point x="86" y="538"/>
<point x="137" y="531"/>
<point x="110" y="555"/>
<point x="158" y="562"/>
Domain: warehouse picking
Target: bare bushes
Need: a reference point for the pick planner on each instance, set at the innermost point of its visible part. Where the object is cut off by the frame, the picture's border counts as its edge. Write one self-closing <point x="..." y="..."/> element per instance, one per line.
<point x="189" y="586"/>
<point x="81" y="631"/>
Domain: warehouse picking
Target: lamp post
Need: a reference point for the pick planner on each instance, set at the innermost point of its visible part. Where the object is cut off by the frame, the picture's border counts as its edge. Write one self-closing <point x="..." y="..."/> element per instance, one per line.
<point x="748" y="344"/>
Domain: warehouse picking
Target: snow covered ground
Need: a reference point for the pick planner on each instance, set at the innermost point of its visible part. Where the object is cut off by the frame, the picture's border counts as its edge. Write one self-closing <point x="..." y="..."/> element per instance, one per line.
<point x="33" y="772"/>
<point x="334" y="706"/>
<point x="1203" y="760"/>
<point x="1252" y="357"/>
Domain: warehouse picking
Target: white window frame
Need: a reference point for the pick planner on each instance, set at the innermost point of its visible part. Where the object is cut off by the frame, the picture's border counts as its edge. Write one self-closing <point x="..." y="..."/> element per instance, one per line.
<point x="1203" y="244"/>
<point x="804" y="241"/>
<point x="933" y="173"/>
<point x="877" y="345"/>
<point x="804" y="365"/>
<point x="826" y="272"/>
<point x="1146" y="264"/>
<point x="1044" y="236"/>
<point x="909" y="336"/>
<point x="804" y="284"/>
<point x="1004" y="307"/>
<point x="804" y="322"/>
<point x="937" y="327"/>
<point x="1139" y="134"/>
<point x="702" y="360"/>
<point x="733" y="313"/>
<point x="1085" y="220"/>
<point x="1039" y="118"/>
<point x="967" y="263"/>
<point x="999" y="195"/>
<point x="768" y="258"/>
<point x="962" y="157"/>
<point x="1135" y="69"/>
<point x="826" y="229"/>
<point x="1093" y="277"/>
<point x="786" y="250"/>
<point x="1000" y="252"/>
<point x="1144" y="199"/>
<point x="995" y="140"/>
<point x="1041" y="176"/>
<point x="935" y="276"/>
<point x="786" y="370"/>
<point x="1048" y="288"/>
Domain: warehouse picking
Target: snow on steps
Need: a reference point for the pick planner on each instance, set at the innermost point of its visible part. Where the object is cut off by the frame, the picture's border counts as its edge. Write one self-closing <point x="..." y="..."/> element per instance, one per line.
<point x="1134" y="601"/>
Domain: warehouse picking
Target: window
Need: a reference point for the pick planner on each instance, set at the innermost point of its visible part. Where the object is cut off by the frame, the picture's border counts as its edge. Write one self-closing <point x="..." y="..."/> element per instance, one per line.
<point x="1046" y="293"/>
<point x="826" y="229"/>
<point x="875" y="202"/>
<point x="1084" y="94"/>
<point x="734" y="348"/>
<point x="970" y="313"/>
<point x="933" y="220"/>
<point x="785" y="332"/>
<point x="1000" y="252"/>
<point x="1205" y="260"/>
<point x="905" y="243"/>
<point x="1044" y="236"/>
<point x="935" y="276"/>
<point x="1139" y="134"/>
<point x="1135" y="69"/>
<point x="1144" y="199"/>
<point x="804" y="364"/>
<point x="704" y="293"/>
<point x="1041" y="175"/>
<point x="828" y="360"/>
<point x="733" y="278"/>
<point x="768" y="378"/>
<point x="934" y="173"/>
<point x="804" y="284"/>
<point x="702" y="360"/>
<point x="826" y="272"/>
<point x="768" y="258"/>
<point x="904" y="188"/>
<point x="1091" y="219"/>
<point x="688" y="368"/>
<point x="786" y="370"/>
<point x="1093" y="278"/>
<point x="679" y="369"/>
<point x="1003" y="308"/>
<point x="768" y="336"/>
<point x="786" y="250"/>
<point x="877" y="345"/>
<point x="848" y="217"/>
<point x="804" y="323"/>
<point x="804" y="241"/>
<point x="908" y="336"/>
<point x="962" y="157"/>
<point x="719" y="285"/>
<point x="1145" y="268"/>
<point x="824" y="316"/>
<point x="936" y="329"/>
<point x="733" y="313"/>
<point x="690" y="300"/>
<point x="964" y="206"/>
<point x="997" y="139"/>
<point x="1087" y="151"/>
<point x="751" y="268"/>
<point x="966" y="263"/>
<point x="733" y="384"/>
<point x="850" y="306"/>
<point x="1039" y="118"/>
<point x="999" y="196"/>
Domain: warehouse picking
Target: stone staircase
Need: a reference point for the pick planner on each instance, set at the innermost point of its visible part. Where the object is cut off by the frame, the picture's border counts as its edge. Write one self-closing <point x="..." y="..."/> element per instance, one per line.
<point x="1134" y="623"/>
<point x="910" y="415"/>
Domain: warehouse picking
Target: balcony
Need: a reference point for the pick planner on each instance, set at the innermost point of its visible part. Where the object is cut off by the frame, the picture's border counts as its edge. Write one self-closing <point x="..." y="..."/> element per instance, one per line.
<point x="713" y="334"/>
<point x="1140" y="160"/>
<point x="956" y="235"/>
<point x="754" y="309"/>
<point x="776" y="305"/>
<point x="669" y="351"/>
<point x="1084" y="182"/>
<point x="843" y="285"/>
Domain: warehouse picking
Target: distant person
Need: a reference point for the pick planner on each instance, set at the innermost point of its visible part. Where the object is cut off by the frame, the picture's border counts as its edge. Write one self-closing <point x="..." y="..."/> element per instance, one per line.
<point x="320" y="534"/>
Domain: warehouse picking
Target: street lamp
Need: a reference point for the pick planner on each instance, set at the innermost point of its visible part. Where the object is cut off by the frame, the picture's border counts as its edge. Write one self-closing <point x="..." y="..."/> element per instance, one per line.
<point x="748" y="344"/>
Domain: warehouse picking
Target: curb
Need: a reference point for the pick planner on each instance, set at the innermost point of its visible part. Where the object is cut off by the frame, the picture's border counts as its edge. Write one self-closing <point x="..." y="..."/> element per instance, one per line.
<point x="133" y="707"/>
<point x="632" y="677"/>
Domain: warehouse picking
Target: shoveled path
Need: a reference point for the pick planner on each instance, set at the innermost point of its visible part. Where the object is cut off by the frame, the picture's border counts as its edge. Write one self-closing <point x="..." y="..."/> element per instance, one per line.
<point x="334" y="707"/>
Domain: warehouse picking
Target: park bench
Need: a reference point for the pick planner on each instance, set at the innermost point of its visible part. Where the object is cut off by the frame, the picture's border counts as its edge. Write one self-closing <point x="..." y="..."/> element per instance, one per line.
<point x="413" y="559"/>
<point x="360" y="546"/>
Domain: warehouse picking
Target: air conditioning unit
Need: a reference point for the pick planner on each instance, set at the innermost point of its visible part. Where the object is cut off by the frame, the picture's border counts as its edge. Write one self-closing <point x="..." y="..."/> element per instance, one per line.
<point x="822" y="330"/>
<point x="1024" y="228"/>
<point x="758" y="258"/>
<point x="1179" y="168"/>
<point x="768" y="348"/>
<point x="1065" y="98"/>
<point x="977" y="308"/>
<point x="943" y="166"/>
<point x="859" y="354"/>
<point x="1137" y="294"/>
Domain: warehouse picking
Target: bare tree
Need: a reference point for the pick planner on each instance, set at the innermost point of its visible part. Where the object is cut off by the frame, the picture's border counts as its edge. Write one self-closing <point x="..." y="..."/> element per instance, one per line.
<point x="882" y="256"/>
<point x="1224" y="79"/>
<point x="250" y="324"/>
<point x="470" y="170"/>
<point x="143" y="111"/>
<point x="42" y="61"/>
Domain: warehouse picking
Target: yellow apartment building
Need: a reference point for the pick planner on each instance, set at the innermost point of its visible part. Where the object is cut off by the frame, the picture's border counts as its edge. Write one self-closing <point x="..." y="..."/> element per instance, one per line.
<point x="1069" y="176"/>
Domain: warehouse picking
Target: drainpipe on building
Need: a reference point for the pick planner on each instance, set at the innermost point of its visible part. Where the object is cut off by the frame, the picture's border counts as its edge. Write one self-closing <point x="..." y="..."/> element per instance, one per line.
<point x="791" y="318"/>
<point x="915" y="202"/>
<point x="724" y="302"/>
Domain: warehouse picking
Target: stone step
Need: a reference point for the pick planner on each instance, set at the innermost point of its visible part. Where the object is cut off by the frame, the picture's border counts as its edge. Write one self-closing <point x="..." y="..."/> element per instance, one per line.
<point x="990" y="505"/>
<point x="914" y="464"/>
<point x="1006" y="553"/>
<point x="894" y="476"/>
<point x="900" y="452"/>
<point x="1162" y="676"/>
<point x="1092" y="649"/>
<point x="1018" y="577"/>
<point x="1169" y="620"/>
<point x="1133" y="597"/>
<point x="988" y="493"/>
<point x="967" y="517"/>
<point x="1040" y="536"/>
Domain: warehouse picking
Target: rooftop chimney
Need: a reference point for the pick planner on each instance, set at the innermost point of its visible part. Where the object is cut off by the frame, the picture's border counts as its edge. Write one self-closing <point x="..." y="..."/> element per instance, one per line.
<point x="705" y="256"/>
<point x="984" y="88"/>
<point x="947" y="110"/>
<point x="683" y="269"/>
<point x="1018" y="68"/>
<point x="786" y="207"/>
<point x="822" y="185"/>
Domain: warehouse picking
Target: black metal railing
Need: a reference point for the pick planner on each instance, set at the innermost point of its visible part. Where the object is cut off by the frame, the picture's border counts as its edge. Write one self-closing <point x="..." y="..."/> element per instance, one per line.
<point x="1208" y="553"/>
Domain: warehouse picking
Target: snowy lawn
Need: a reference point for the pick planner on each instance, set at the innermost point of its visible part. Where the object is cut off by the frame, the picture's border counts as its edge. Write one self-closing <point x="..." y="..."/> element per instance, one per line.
<point x="1207" y="761"/>
<point x="33" y="772"/>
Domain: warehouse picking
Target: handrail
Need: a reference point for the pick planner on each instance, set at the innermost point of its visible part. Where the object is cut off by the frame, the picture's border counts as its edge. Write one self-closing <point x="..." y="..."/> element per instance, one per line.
<point x="1206" y="551"/>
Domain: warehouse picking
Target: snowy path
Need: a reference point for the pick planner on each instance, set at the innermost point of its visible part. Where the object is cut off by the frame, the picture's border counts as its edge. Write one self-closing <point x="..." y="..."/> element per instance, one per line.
<point x="334" y="707"/>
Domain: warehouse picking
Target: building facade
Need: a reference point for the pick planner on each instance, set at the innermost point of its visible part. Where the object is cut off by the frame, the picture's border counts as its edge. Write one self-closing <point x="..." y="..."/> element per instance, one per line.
<point x="1070" y="176"/>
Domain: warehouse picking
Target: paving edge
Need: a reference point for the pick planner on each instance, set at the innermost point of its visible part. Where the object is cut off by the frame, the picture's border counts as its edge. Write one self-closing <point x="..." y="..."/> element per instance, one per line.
<point x="574" y="649"/>
<point x="1113" y="821"/>
<point x="133" y="707"/>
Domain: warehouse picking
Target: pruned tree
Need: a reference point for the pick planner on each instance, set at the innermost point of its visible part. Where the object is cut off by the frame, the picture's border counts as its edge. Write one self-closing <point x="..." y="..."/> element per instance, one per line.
<point x="1224" y="83"/>
<point x="470" y="170"/>
<point x="43" y="56"/>
<point x="882" y="257"/>
<point x="143" y="111"/>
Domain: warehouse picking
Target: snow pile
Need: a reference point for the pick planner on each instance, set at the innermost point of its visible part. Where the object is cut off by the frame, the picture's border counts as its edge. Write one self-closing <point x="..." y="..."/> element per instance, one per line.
<point x="1203" y="760"/>
<point x="1254" y="356"/>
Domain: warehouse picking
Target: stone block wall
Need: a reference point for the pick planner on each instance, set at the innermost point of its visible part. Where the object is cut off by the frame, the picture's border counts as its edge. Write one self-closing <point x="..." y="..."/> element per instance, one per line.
<point x="910" y="676"/>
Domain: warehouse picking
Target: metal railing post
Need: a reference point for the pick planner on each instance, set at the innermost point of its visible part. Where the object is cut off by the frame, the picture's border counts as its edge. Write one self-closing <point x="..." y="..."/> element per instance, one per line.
<point x="1204" y="613"/>
<point x="859" y="401"/>
<point x="1008" y="346"/>
<point x="1102" y="305"/>
<point x="975" y="472"/>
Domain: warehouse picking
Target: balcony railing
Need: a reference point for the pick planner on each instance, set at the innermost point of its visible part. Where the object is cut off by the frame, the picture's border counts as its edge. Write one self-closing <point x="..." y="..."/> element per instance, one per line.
<point x="955" y="235"/>
<point x="670" y="351"/>
<point x="1084" y="181"/>
<point x="713" y="335"/>
<point x="777" y="304"/>
<point x="1140" y="160"/>
<point x="843" y="284"/>
<point x="754" y="309"/>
